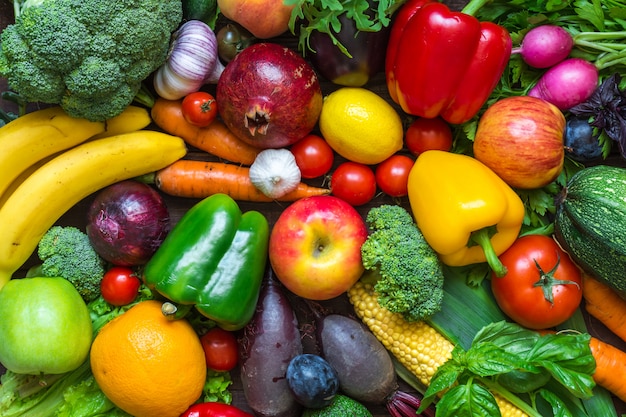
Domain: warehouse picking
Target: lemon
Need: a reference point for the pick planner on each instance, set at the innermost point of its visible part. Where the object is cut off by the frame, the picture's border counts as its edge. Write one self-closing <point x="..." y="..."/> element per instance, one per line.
<point x="360" y="125"/>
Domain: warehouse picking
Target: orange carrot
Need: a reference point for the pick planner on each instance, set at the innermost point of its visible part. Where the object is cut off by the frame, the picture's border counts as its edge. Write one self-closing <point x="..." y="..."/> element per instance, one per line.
<point x="199" y="179"/>
<point x="215" y="139"/>
<point x="603" y="303"/>
<point x="610" y="367"/>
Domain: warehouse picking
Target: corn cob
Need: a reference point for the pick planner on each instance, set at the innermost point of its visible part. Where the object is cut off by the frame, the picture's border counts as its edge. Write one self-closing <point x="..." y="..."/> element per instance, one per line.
<point x="416" y="345"/>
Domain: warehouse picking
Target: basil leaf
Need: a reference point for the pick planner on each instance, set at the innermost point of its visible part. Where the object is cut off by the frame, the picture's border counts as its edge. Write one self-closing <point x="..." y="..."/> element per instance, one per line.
<point x="471" y="400"/>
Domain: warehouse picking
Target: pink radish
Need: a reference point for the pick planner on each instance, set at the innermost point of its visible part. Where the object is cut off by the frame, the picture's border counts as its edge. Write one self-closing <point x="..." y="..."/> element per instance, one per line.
<point x="545" y="46"/>
<point x="567" y="84"/>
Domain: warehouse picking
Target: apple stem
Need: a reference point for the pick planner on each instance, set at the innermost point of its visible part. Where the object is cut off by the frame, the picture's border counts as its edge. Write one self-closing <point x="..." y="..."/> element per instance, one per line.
<point x="482" y="238"/>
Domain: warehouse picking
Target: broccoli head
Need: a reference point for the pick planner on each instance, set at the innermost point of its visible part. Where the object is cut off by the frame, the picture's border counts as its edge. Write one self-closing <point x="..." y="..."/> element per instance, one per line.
<point x="65" y="251"/>
<point x="89" y="57"/>
<point x="408" y="274"/>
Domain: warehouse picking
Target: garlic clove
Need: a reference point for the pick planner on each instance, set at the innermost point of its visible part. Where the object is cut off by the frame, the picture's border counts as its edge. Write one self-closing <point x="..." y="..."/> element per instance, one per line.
<point x="275" y="172"/>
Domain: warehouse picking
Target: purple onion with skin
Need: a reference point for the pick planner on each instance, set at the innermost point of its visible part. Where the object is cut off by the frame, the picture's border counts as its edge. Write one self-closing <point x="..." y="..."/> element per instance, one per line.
<point x="127" y="222"/>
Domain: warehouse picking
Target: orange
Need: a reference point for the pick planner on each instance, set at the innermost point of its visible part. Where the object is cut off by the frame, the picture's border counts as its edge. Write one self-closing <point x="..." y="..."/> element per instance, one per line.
<point x="147" y="364"/>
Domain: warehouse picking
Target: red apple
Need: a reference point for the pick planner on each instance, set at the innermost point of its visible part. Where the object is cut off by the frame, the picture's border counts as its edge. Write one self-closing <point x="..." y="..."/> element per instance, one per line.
<point x="315" y="247"/>
<point x="521" y="139"/>
<point x="263" y="18"/>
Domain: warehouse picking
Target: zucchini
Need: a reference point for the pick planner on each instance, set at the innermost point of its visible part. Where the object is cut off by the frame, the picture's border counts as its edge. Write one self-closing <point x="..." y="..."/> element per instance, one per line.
<point x="203" y="10"/>
<point x="590" y="223"/>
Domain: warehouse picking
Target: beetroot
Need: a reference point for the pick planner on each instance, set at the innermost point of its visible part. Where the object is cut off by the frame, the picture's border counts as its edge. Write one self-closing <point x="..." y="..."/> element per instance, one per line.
<point x="269" y="96"/>
<point x="268" y="343"/>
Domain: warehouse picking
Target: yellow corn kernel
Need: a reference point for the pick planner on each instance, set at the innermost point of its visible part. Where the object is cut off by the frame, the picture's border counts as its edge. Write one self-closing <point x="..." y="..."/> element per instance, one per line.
<point x="416" y="345"/>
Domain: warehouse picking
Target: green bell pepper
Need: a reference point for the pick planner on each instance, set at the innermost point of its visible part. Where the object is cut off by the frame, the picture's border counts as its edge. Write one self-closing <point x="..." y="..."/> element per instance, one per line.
<point x="213" y="258"/>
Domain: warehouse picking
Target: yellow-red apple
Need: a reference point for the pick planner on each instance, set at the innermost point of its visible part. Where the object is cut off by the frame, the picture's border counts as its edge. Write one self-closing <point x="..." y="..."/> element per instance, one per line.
<point x="521" y="139"/>
<point x="315" y="247"/>
<point x="263" y="18"/>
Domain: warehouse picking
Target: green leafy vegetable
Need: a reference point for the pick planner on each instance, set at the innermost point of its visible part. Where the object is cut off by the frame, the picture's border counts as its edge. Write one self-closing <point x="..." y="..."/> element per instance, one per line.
<point x="323" y="16"/>
<point x="467" y="380"/>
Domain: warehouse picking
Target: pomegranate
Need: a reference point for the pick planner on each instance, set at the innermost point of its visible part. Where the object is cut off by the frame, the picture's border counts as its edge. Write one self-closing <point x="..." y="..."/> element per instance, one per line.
<point x="269" y="96"/>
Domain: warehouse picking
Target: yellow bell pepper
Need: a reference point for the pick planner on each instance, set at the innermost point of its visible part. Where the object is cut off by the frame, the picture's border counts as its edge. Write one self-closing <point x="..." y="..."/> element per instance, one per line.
<point x="465" y="211"/>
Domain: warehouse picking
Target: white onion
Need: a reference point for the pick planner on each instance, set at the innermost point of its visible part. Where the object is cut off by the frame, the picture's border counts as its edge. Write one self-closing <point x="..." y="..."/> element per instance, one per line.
<point x="192" y="61"/>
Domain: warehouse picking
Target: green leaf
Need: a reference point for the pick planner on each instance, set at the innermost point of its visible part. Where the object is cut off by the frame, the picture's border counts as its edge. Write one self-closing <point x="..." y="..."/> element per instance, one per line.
<point x="487" y="359"/>
<point x="470" y="400"/>
<point x="559" y="409"/>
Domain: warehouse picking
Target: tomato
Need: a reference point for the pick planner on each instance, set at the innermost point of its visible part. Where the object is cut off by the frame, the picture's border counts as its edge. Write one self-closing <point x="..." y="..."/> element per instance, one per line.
<point x="538" y="270"/>
<point x="353" y="182"/>
<point x="426" y="134"/>
<point x="119" y="286"/>
<point x="199" y="108"/>
<point x="314" y="156"/>
<point x="392" y="175"/>
<point x="220" y="348"/>
<point x="232" y="39"/>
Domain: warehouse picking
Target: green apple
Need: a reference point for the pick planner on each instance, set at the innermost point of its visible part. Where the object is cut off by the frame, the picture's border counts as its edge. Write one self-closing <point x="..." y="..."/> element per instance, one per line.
<point x="45" y="326"/>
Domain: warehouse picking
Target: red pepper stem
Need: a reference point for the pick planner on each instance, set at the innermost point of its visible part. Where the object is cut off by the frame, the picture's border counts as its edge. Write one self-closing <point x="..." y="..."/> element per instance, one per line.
<point x="481" y="237"/>
<point x="473" y="6"/>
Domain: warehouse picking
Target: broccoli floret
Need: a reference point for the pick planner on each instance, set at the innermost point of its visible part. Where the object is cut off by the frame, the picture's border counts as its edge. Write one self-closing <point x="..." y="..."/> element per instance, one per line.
<point x="408" y="274"/>
<point x="65" y="251"/>
<point x="88" y="57"/>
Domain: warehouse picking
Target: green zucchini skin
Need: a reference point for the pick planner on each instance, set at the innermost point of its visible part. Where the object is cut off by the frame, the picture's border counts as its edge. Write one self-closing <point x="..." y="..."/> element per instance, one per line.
<point x="590" y="223"/>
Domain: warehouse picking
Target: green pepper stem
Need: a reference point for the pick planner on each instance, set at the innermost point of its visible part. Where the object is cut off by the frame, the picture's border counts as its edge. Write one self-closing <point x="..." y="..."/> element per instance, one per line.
<point x="481" y="237"/>
<point x="473" y="6"/>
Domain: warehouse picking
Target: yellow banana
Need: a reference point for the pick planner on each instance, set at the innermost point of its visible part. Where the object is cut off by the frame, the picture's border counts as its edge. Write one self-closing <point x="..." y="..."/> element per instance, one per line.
<point x="61" y="183"/>
<point x="39" y="134"/>
<point x="23" y="175"/>
<point x="131" y="119"/>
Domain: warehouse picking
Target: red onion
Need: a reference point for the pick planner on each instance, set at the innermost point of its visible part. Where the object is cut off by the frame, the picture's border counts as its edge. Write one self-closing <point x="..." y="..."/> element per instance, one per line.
<point x="127" y="222"/>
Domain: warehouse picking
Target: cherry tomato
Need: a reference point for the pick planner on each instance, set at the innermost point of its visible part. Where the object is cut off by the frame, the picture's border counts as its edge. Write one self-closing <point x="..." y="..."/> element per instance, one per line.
<point x="392" y="175"/>
<point x="314" y="156"/>
<point x="199" y="108"/>
<point x="220" y="349"/>
<point x="426" y="134"/>
<point x="538" y="269"/>
<point x="353" y="182"/>
<point x="119" y="286"/>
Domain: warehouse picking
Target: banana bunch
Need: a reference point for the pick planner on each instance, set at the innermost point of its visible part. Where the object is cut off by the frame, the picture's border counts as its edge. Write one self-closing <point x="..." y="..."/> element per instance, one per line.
<point x="49" y="162"/>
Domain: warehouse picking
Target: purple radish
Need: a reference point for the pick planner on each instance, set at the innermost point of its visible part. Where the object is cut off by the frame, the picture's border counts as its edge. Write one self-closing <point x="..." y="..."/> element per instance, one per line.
<point x="567" y="84"/>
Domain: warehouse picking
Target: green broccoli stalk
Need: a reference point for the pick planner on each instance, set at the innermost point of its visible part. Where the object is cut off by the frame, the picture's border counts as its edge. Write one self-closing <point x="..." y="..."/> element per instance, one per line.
<point x="406" y="271"/>
<point x="89" y="57"/>
<point x="65" y="251"/>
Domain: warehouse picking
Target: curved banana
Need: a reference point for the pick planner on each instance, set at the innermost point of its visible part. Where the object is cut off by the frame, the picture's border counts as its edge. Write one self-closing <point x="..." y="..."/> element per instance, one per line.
<point x="39" y="134"/>
<point x="131" y="119"/>
<point x="61" y="183"/>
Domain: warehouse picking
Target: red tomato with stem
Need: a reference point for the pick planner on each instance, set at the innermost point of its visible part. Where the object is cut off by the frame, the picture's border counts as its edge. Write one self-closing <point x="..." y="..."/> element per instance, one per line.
<point x="392" y="175"/>
<point x="542" y="287"/>
<point x="220" y="349"/>
<point x="119" y="286"/>
<point x="199" y="108"/>
<point x="426" y="134"/>
<point x="353" y="182"/>
<point x="314" y="156"/>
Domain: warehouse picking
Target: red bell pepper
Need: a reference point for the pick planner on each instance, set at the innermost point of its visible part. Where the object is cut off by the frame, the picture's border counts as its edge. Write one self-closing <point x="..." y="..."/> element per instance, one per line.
<point x="214" y="409"/>
<point x="444" y="63"/>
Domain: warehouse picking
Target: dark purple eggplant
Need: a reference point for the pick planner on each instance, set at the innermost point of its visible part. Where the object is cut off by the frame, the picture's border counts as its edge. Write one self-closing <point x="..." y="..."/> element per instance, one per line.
<point x="366" y="49"/>
<point x="267" y="345"/>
